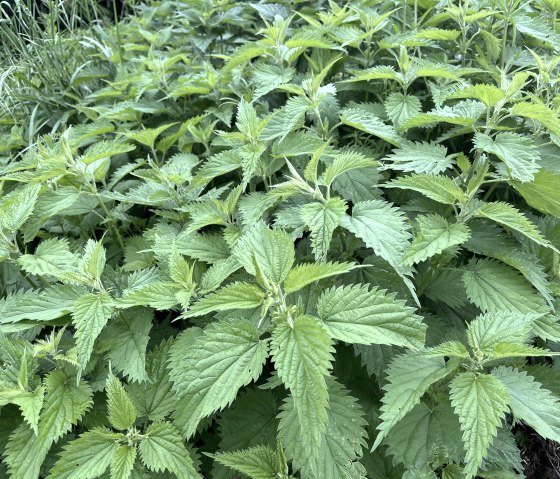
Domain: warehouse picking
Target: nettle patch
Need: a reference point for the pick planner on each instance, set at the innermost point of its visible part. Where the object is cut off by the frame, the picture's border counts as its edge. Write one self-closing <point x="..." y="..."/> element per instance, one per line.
<point x="241" y="241"/>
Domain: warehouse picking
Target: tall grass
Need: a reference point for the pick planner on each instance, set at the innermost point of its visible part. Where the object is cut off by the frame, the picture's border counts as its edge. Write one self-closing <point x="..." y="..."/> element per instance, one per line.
<point x="42" y="55"/>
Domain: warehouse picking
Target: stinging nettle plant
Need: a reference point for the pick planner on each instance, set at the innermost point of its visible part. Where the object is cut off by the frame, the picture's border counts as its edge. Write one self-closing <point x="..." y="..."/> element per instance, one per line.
<point x="283" y="240"/>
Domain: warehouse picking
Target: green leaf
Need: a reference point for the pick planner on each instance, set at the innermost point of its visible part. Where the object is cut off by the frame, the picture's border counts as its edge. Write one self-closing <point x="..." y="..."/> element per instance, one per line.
<point x="488" y="94"/>
<point x="258" y="462"/>
<point x="363" y="120"/>
<point x="45" y="305"/>
<point x="322" y="219"/>
<point x="408" y="378"/>
<point x="342" y="163"/>
<point x="94" y="259"/>
<point x="87" y="457"/>
<point x="439" y="188"/>
<point x="518" y="152"/>
<point x="17" y="207"/>
<point x="506" y="215"/>
<point x="147" y="136"/>
<point x="530" y="402"/>
<point x="302" y="354"/>
<point x="435" y="234"/>
<point x="489" y="330"/>
<point x="273" y="249"/>
<point x="382" y="227"/>
<point x="481" y="402"/>
<point x="127" y="340"/>
<point x="539" y="112"/>
<point x="208" y="373"/>
<point x="304" y="274"/>
<point x="429" y="158"/>
<point x="357" y="315"/>
<point x="401" y="107"/>
<point x="52" y="257"/>
<point x="90" y="315"/>
<point x="64" y="405"/>
<point x="232" y="296"/>
<point x="542" y="193"/>
<point x="122" y="413"/>
<point x="162" y="449"/>
<point x="341" y="442"/>
<point x="426" y="433"/>
<point x="490" y="241"/>
<point x="154" y="398"/>
<point x="493" y="286"/>
<point x="464" y="113"/>
<point x="123" y="462"/>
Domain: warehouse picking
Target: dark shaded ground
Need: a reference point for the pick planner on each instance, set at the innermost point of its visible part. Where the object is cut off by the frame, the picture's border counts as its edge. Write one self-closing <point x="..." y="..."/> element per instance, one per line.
<point x="541" y="457"/>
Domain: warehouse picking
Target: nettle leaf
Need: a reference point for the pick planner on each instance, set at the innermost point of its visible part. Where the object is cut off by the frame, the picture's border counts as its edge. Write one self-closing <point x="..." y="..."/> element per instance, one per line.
<point x="302" y="354"/>
<point x="493" y="286"/>
<point x="87" y="457"/>
<point x="507" y="215"/>
<point x="154" y="398"/>
<point x="542" y="193"/>
<point x="343" y="163"/>
<point x="91" y="313"/>
<point x="304" y="274"/>
<point x="491" y="330"/>
<point x="400" y="107"/>
<point x="232" y="296"/>
<point x="52" y="257"/>
<point x="425" y="433"/>
<point x="363" y="120"/>
<point x="127" y="341"/>
<point x="419" y="157"/>
<point x="481" y="402"/>
<point x="517" y="151"/>
<point x="273" y="250"/>
<point x="382" y="227"/>
<point x="488" y="94"/>
<point x="357" y="315"/>
<point x="539" y="112"/>
<point x="408" y="378"/>
<point x="123" y="462"/>
<point x="64" y="405"/>
<point x="435" y="234"/>
<point x="341" y="442"/>
<point x="122" y="413"/>
<point x="17" y="207"/>
<point x="208" y="372"/>
<point x="162" y="449"/>
<point x="258" y="462"/>
<point x="530" y="402"/>
<point x="437" y="187"/>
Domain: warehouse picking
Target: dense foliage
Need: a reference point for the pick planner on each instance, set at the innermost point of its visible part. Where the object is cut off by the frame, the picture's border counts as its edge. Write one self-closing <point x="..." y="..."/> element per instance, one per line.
<point x="279" y="240"/>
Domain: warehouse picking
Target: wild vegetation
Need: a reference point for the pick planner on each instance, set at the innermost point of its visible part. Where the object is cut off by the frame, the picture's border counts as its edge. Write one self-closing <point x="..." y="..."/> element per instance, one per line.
<point x="279" y="240"/>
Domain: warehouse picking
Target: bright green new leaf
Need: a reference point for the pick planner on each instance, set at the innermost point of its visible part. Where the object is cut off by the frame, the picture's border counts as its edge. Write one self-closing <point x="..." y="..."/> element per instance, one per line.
<point x="304" y="274"/>
<point x="481" y="402"/>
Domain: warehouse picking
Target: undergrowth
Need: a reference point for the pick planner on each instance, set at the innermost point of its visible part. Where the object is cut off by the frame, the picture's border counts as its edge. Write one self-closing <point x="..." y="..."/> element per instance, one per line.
<point x="280" y="240"/>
